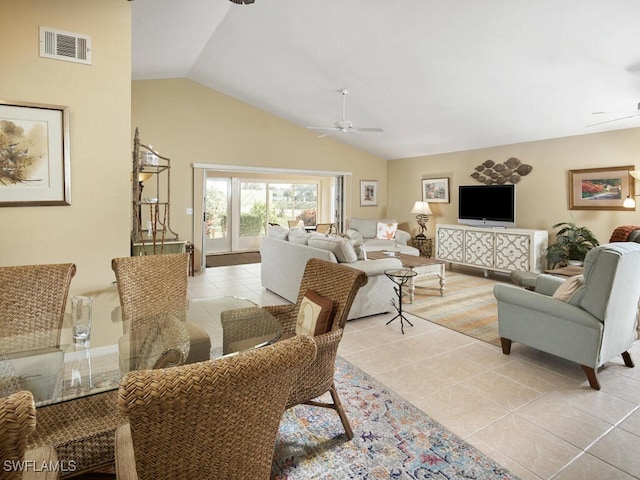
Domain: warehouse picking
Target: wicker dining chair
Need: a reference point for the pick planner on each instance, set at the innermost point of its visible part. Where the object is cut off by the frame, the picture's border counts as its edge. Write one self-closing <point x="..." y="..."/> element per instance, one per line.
<point x="340" y="284"/>
<point x="325" y="228"/>
<point x="17" y="423"/>
<point x="150" y="286"/>
<point x="33" y="299"/>
<point x="209" y="420"/>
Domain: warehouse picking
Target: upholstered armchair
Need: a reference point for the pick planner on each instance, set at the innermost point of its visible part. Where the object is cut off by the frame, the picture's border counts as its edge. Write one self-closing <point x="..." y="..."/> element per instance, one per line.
<point x="589" y="326"/>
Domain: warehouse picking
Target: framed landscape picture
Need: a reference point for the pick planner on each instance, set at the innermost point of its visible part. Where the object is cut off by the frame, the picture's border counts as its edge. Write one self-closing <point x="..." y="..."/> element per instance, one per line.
<point x="368" y="193"/>
<point x="600" y="188"/>
<point x="34" y="155"/>
<point x="435" y="190"/>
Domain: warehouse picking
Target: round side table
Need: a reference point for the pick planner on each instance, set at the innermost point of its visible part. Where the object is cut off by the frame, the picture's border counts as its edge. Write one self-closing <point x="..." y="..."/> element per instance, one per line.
<point x="400" y="277"/>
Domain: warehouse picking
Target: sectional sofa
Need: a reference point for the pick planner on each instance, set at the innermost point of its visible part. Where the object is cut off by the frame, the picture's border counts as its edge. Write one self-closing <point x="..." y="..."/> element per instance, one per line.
<point x="285" y="254"/>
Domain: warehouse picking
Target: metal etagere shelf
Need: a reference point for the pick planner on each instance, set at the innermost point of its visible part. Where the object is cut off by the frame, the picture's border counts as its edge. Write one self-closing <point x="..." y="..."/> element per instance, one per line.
<point x="152" y="212"/>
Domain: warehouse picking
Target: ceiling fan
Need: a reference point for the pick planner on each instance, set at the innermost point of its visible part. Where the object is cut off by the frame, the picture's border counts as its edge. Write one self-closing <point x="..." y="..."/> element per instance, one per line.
<point x="344" y="125"/>
<point x="629" y="115"/>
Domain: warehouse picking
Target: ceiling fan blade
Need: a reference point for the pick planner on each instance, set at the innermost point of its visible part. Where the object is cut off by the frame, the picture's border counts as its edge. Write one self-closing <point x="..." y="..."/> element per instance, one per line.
<point x="368" y="129"/>
<point x="322" y="128"/>
<point x="613" y="120"/>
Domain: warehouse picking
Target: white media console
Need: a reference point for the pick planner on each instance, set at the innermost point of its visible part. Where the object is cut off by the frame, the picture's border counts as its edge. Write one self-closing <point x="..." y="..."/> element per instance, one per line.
<point x="495" y="249"/>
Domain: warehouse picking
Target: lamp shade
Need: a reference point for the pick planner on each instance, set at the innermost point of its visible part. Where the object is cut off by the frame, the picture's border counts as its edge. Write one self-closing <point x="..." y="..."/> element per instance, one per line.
<point x="421" y="208"/>
<point x="635" y="174"/>
<point x="144" y="176"/>
<point x="629" y="202"/>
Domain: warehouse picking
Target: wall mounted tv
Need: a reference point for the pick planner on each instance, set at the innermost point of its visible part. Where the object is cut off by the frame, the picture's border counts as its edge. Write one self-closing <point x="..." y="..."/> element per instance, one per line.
<point x="487" y="205"/>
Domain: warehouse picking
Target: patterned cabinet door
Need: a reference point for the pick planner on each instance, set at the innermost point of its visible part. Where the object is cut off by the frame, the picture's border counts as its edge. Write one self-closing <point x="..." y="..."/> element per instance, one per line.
<point x="479" y="248"/>
<point x="449" y="246"/>
<point x="512" y="251"/>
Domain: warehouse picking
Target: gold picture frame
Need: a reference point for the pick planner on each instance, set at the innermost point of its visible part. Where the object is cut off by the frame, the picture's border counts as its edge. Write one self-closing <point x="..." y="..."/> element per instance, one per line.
<point x="600" y="188"/>
<point x="34" y="155"/>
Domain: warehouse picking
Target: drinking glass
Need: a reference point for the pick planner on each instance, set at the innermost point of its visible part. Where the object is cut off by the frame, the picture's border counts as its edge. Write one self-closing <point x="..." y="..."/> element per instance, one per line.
<point x="81" y="319"/>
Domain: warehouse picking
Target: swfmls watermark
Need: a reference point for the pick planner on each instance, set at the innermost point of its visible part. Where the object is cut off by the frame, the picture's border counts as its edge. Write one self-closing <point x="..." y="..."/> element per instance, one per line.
<point x="44" y="466"/>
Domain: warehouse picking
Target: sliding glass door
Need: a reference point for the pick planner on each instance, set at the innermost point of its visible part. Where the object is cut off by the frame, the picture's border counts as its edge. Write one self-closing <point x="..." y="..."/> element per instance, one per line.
<point x="217" y="218"/>
<point x="236" y="210"/>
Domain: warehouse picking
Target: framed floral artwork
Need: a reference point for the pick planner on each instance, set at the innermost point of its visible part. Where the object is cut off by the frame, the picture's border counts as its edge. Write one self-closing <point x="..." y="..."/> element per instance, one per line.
<point x="34" y="155"/>
<point x="600" y="188"/>
<point x="435" y="190"/>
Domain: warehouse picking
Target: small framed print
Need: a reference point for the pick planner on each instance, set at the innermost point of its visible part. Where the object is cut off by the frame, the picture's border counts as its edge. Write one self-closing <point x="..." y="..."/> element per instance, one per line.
<point x="600" y="188"/>
<point x="368" y="193"/>
<point x="34" y="155"/>
<point x="435" y="190"/>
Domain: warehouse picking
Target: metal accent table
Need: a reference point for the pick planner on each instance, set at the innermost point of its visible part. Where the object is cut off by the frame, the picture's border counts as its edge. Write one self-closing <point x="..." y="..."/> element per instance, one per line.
<point x="400" y="277"/>
<point x="424" y="267"/>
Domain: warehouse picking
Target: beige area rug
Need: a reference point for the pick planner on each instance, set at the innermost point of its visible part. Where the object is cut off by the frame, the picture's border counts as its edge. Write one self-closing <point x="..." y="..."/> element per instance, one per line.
<point x="468" y="305"/>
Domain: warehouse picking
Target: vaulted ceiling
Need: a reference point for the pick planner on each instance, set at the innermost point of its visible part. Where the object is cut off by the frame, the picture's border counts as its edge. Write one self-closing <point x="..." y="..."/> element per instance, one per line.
<point x="437" y="76"/>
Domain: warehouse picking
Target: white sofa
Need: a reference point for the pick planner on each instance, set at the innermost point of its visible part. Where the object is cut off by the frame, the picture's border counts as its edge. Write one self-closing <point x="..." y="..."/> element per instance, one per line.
<point x="366" y="229"/>
<point x="283" y="263"/>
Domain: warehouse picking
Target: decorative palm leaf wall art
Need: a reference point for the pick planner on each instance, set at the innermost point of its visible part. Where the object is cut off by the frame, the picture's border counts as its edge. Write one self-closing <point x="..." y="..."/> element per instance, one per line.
<point x="511" y="170"/>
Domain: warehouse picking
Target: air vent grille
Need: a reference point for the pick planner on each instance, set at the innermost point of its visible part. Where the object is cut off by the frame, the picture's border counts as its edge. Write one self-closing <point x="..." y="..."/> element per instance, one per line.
<point x="70" y="47"/>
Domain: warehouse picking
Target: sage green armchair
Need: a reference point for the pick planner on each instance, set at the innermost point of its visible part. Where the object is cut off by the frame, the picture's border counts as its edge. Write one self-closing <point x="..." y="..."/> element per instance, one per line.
<point x="595" y="324"/>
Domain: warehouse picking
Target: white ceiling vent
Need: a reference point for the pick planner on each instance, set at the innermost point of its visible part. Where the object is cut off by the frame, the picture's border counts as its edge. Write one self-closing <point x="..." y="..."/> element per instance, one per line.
<point x="70" y="47"/>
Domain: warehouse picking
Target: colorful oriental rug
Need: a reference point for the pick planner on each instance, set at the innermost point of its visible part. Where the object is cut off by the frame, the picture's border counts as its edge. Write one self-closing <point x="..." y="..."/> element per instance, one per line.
<point x="468" y="305"/>
<point x="392" y="440"/>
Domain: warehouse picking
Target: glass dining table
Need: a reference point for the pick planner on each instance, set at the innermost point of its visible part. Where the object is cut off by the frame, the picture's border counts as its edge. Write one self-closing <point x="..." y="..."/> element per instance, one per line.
<point x="75" y="385"/>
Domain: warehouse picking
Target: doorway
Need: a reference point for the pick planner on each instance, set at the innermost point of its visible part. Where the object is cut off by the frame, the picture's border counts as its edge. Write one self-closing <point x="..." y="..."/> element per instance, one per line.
<point x="235" y="207"/>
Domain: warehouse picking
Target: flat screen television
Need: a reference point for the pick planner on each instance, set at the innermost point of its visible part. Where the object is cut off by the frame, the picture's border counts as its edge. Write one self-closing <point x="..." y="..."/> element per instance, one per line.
<point x="487" y="205"/>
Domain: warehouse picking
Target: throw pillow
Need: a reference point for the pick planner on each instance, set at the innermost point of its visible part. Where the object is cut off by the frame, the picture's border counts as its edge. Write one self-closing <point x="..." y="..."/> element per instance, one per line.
<point x="277" y="232"/>
<point x="568" y="288"/>
<point x="361" y="253"/>
<point x="340" y="247"/>
<point x="386" y="231"/>
<point x="299" y="237"/>
<point x="315" y="316"/>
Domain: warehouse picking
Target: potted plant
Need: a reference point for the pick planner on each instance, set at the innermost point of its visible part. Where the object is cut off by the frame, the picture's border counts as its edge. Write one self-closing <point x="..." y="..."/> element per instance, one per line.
<point x="571" y="245"/>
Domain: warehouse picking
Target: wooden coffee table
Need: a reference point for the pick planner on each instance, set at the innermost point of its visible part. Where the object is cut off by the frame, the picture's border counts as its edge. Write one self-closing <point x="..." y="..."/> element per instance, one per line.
<point x="424" y="267"/>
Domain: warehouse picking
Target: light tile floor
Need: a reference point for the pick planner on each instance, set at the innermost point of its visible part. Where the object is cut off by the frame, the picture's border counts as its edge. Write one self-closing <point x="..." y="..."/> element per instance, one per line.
<point x="529" y="411"/>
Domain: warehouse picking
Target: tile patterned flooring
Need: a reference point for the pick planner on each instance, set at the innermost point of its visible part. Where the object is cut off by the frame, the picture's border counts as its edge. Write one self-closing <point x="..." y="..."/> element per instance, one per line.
<point x="529" y="411"/>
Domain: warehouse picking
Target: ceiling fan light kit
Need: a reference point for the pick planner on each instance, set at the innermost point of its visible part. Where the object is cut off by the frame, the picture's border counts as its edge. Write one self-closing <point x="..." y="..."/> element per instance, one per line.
<point x="344" y="125"/>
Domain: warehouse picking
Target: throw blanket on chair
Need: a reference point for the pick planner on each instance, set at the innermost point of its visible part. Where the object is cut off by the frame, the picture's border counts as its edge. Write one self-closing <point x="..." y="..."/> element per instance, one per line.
<point x="621" y="233"/>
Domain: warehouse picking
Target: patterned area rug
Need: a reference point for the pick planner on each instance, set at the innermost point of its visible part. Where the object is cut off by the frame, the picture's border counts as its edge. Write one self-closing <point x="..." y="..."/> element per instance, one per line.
<point x="468" y="305"/>
<point x="392" y="440"/>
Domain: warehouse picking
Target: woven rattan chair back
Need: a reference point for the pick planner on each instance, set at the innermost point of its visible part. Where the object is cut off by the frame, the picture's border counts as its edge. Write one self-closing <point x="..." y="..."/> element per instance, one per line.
<point x="209" y="420"/>
<point x="340" y="284"/>
<point x="17" y="422"/>
<point x="149" y="285"/>
<point x="325" y="228"/>
<point x="335" y="282"/>
<point x="33" y="299"/>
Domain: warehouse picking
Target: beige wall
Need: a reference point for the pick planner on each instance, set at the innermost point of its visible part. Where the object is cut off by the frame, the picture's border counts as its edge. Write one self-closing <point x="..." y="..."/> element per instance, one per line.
<point x="95" y="227"/>
<point x="542" y="196"/>
<point x="194" y="124"/>
<point x="191" y="123"/>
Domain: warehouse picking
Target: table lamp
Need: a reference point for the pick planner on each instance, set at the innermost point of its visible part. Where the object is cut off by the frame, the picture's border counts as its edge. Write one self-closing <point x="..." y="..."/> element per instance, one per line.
<point x="422" y="210"/>
<point x="630" y="201"/>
